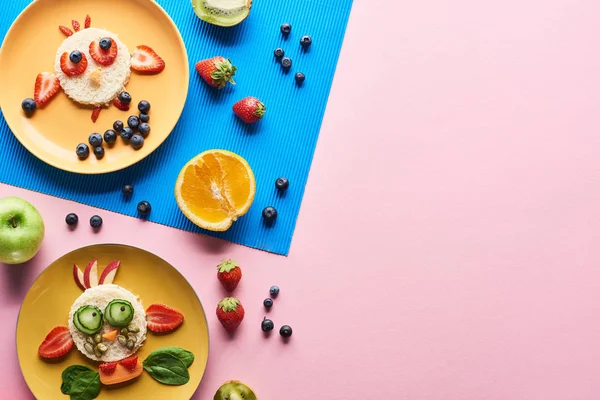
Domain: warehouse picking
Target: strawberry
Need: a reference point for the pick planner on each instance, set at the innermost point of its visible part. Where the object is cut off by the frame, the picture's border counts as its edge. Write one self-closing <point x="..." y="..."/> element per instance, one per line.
<point x="249" y="109"/>
<point x="76" y="25"/>
<point x="162" y="318"/>
<point x="120" y="106"/>
<point x="46" y="86"/>
<point x="108" y="368"/>
<point x="230" y="313"/>
<point x="229" y="274"/>
<point x="146" y="61"/>
<point x="57" y="343"/>
<point x="70" y="68"/>
<point x="216" y="71"/>
<point x="65" y="30"/>
<point x="103" y="57"/>
<point x="96" y="113"/>
<point x="129" y="363"/>
<point x="88" y="22"/>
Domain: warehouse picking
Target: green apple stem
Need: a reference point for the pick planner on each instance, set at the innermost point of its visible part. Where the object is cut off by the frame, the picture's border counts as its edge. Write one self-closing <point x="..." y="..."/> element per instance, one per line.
<point x="12" y="221"/>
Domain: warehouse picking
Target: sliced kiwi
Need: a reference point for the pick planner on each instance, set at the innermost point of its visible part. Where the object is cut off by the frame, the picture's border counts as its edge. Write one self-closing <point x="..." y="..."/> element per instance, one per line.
<point x="119" y="313"/>
<point x="222" y="12"/>
<point x="234" y="390"/>
<point x="88" y="320"/>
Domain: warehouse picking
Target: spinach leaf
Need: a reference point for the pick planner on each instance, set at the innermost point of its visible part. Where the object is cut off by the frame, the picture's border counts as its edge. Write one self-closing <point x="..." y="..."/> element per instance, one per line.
<point x="186" y="357"/>
<point x="81" y="383"/>
<point x="69" y="375"/>
<point x="166" y="368"/>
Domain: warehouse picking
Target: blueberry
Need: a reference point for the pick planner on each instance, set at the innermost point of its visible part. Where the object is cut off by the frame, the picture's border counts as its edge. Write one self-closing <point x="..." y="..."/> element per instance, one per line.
<point x="267" y="325"/>
<point x="71" y="219"/>
<point x="144" y="117"/>
<point x="75" y="56"/>
<point x="286" y="62"/>
<point x="118" y="126"/>
<point x="285" y="331"/>
<point x="99" y="152"/>
<point x="286" y="28"/>
<point x="127" y="189"/>
<point x="144" y="208"/>
<point x="125" y="97"/>
<point x="126" y="133"/>
<point x="28" y="105"/>
<point x="269" y="214"/>
<point x="96" y="221"/>
<point x="105" y="43"/>
<point x="305" y="41"/>
<point x="82" y="151"/>
<point x="282" y="184"/>
<point x="110" y="136"/>
<point x="95" y="139"/>
<point x="133" y="122"/>
<point x="268" y="303"/>
<point x="274" y="290"/>
<point x="300" y="77"/>
<point x="144" y="106"/>
<point x="279" y="52"/>
<point x="144" y="129"/>
<point x="137" y="141"/>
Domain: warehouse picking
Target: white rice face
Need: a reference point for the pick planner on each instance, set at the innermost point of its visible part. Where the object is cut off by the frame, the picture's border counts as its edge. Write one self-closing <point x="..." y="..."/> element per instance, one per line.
<point x="113" y="77"/>
<point x="100" y="296"/>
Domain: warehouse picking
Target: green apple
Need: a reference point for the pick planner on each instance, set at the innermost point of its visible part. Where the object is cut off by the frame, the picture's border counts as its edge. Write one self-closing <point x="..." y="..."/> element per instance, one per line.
<point x="21" y="230"/>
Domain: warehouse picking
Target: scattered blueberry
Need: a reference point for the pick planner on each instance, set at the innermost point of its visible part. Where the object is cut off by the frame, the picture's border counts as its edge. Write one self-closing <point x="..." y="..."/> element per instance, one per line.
<point x="75" y="56"/>
<point x="144" y="106"/>
<point x="300" y="77"/>
<point x="268" y="303"/>
<point x="127" y="189"/>
<point x="269" y="214"/>
<point x="285" y="331"/>
<point x="267" y="325"/>
<point x="110" y="136"/>
<point x="99" y="152"/>
<point x="274" y="290"/>
<point x="95" y="139"/>
<point x="133" y="122"/>
<point x="125" y="97"/>
<point x="144" y="117"/>
<point x="126" y="133"/>
<point x="28" y="105"/>
<point x="286" y="62"/>
<point x="144" y="207"/>
<point x="286" y="28"/>
<point x="71" y="219"/>
<point x="105" y="43"/>
<point x="305" y="41"/>
<point x="282" y="183"/>
<point x="83" y="151"/>
<point x="144" y="129"/>
<point x="137" y="141"/>
<point x="96" y="221"/>
<point x="279" y="52"/>
<point x="118" y="126"/>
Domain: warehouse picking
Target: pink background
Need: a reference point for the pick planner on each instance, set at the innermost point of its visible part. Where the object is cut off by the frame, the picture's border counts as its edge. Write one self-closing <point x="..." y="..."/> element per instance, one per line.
<point x="448" y="243"/>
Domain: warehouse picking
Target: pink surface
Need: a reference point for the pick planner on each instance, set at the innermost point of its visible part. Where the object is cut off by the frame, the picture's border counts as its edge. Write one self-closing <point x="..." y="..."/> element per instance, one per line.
<point x="447" y="246"/>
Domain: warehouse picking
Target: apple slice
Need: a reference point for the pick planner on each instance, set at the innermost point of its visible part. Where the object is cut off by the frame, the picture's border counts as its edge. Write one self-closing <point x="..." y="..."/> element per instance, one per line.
<point x="108" y="275"/>
<point x="90" y="275"/>
<point x="78" y="276"/>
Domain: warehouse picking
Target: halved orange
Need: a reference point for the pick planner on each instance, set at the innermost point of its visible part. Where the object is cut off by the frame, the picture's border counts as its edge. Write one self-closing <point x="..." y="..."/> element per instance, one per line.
<point x="215" y="188"/>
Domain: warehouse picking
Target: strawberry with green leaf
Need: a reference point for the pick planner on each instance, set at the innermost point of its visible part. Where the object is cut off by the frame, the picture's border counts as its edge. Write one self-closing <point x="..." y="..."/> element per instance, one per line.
<point x="216" y="71"/>
<point x="229" y="274"/>
<point x="230" y="313"/>
<point x="249" y="109"/>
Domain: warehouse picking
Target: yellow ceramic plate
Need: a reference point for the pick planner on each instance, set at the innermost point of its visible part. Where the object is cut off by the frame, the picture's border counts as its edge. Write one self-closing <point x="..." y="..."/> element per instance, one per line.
<point x="49" y="300"/>
<point x="53" y="132"/>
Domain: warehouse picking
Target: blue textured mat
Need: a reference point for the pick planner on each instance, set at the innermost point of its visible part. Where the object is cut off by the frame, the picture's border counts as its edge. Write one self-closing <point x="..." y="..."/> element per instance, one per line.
<point x="283" y="145"/>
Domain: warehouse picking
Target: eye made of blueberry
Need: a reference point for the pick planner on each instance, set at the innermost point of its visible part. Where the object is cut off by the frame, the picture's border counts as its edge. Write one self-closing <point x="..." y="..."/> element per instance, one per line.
<point x="74" y="63"/>
<point x="104" y="51"/>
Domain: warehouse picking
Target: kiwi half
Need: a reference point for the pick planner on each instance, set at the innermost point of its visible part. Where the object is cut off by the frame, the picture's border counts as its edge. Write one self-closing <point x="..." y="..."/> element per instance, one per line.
<point x="222" y="12"/>
<point x="234" y="390"/>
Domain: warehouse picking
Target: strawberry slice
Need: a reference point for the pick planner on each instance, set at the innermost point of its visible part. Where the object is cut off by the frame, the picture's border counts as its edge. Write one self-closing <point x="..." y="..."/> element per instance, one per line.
<point x="65" y="30"/>
<point x="96" y="113"/>
<point x="146" y="61"/>
<point x="103" y="57"/>
<point x="162" y="318"/>
<point x="120" y="105"/>
<point x="70" y="68"/>
<point x="129" y="363"/>
<point x="46" y="87"/>
<point x="108" y="368"/>
<point x="76" y="25"/>
<point x="88" y="22"/>
<point x="57" y="343"/>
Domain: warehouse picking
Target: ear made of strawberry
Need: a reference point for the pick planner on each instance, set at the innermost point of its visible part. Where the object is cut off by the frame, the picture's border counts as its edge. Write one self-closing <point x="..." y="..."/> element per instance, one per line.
<point x="224" y="73"/>
<point x="227" y="266"/>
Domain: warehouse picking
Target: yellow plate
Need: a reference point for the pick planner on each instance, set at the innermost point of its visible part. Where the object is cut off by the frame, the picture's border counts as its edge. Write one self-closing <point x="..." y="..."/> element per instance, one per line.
<point x="53" y="132"/>
<point x="51" y="296"/>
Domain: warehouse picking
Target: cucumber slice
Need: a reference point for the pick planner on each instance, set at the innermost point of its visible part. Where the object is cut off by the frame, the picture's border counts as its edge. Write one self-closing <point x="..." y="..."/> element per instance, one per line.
<point x="119" y="313"/>
<point x="88" y="320"/>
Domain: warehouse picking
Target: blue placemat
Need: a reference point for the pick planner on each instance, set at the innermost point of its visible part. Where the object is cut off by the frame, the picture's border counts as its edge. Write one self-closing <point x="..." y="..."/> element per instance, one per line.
<point x="281" y="145"/>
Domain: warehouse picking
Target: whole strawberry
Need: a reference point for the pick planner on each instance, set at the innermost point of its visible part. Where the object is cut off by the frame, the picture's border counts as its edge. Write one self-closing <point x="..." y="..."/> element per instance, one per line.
<point x="229" y="274"/>
<point x="230" y="313"/>
<point x="249" y="109"/>
<point x="216" y="71"/>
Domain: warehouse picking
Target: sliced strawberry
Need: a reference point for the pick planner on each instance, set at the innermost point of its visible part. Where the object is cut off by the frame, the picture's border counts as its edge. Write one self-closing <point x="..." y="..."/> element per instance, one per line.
<point x="46" y="86"/>
<point x="162" y="318"/>
<point x="103" y="57"/>
<point x="88" y="22"/>
<point x="65" y="30"/>
<point x="76" y="25"/>
<point x="120" y="105"/>
<point x="146" y="61"/>
<point x="108" y="368"/>
<point x="129" y="363"/>
<point x="96" y="113"/>
<point x="57" y="343"/>
<point x="70" y="68"/>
